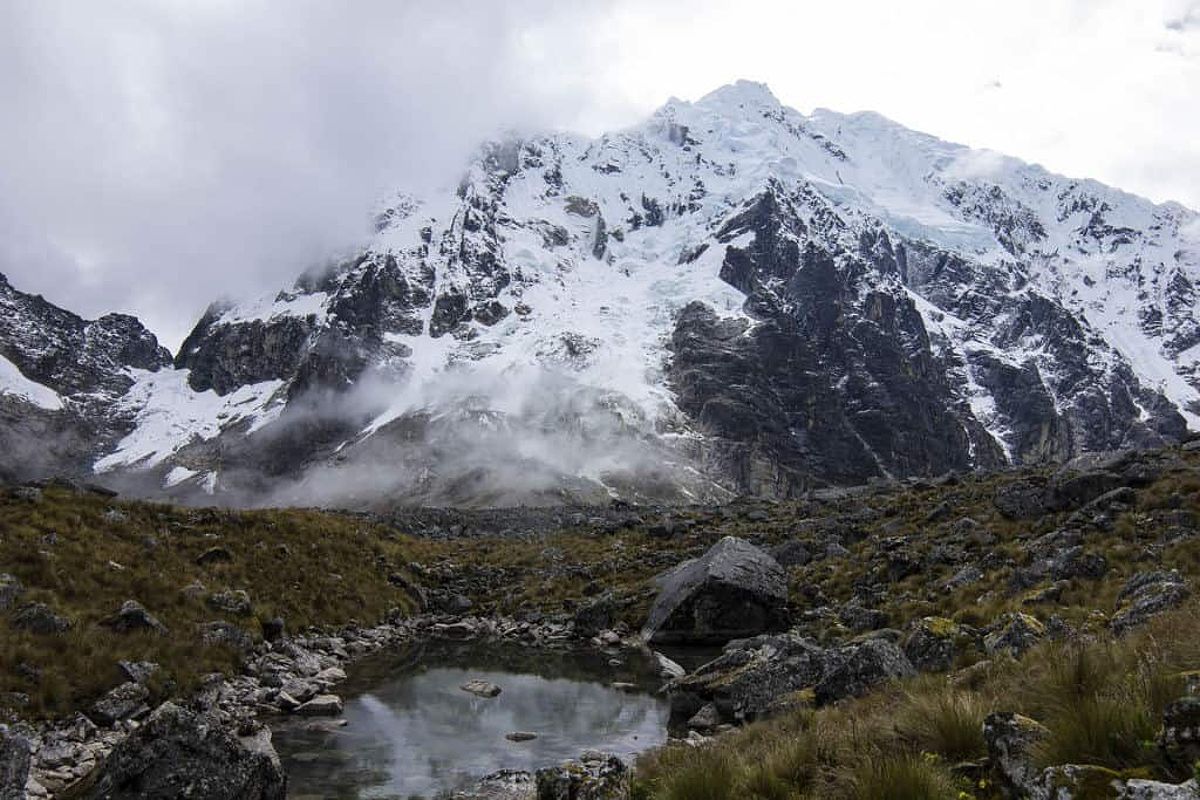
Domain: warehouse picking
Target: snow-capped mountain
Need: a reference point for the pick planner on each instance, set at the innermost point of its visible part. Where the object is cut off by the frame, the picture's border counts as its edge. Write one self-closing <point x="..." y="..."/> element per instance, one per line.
<point x="730" y="297"/>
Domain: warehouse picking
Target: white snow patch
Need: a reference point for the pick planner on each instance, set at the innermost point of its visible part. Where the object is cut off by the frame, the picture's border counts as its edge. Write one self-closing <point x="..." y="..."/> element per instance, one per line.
<point x="170" y="414"/>
<point x="12" y="382"/>
<point x="177" y="476"/>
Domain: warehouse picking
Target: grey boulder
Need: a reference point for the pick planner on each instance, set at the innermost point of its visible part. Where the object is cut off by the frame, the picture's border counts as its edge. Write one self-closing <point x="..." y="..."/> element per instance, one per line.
<point x="178" y="753"/>
<point x="733" y="591"/>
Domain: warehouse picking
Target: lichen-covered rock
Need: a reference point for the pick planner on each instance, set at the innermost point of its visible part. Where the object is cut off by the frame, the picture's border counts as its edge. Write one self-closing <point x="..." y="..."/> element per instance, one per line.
<point x="1010" y="739"/>
<point x="1081" y="782"/>
<point x="595" y="776"/>
<point x="933" y="644"/>
<point x="733" y="590"/>
<point x="177" y="753"/>
<point x="1014" y="633"/>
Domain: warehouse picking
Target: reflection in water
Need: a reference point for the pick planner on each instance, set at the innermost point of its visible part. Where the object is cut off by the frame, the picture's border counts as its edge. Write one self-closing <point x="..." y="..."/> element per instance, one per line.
<point x="412" y="730"/>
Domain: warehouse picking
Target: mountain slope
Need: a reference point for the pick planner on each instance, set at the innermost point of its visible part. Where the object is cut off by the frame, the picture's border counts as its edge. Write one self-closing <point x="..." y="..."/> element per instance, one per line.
<point x="731" y="297"/>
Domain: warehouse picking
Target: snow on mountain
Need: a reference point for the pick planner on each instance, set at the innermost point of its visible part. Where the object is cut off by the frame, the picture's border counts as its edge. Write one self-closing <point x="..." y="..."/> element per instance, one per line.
<point x="730" y="296"/>
<point x="13" y="383"/>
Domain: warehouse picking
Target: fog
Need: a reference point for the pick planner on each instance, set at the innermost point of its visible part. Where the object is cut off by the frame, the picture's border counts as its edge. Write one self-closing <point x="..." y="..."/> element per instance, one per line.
<point x="157" y="154"/>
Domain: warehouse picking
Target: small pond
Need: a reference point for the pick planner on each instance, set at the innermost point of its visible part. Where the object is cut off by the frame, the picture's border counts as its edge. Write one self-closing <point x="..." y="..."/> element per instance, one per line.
<point x="412" y="731"/>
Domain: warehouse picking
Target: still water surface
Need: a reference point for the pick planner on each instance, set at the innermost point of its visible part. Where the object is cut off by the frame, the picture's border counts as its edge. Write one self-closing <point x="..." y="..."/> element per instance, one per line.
<point x="413" y="731"/>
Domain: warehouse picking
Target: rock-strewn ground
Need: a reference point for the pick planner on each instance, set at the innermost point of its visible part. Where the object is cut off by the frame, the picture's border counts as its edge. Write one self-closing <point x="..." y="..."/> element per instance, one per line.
<point x="112" y="607"/>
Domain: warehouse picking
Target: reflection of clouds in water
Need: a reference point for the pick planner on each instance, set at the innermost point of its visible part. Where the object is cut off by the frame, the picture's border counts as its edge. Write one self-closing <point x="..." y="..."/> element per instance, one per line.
<point x="421" y="733"/>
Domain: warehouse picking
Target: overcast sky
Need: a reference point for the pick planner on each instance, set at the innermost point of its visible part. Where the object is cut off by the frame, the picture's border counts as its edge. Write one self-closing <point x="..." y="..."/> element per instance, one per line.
<point x="156" y="155"/>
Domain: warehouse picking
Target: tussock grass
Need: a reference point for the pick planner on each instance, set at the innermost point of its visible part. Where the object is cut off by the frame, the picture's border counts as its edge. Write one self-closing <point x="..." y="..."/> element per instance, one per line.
<point x="84" y="555"/>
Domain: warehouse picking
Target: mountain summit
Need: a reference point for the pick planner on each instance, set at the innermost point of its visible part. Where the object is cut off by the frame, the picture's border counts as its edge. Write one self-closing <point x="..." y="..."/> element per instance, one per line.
<point x="731" y="297"/>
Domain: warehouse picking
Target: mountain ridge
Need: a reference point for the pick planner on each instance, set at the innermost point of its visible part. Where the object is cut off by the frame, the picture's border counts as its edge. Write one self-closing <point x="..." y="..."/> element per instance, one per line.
<point x="729" y="298"/>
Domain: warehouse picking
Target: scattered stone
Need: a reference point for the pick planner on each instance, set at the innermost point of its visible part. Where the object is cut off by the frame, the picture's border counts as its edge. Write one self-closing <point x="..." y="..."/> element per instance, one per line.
<point x="226" y="634"/>
<point x="853" y="669"/>
<point x="1139" y="789"/>
<point x="668" y="668"/>
<point x="1146" y="595"/>
<point x="964" y="577"/>
<point x="133" y="616"/>
<point x="520" y="736"/>
<point x="705" y="720"/>
<point x="595" y="777"/>
<point x="323" y="705"/>
<point x="10" y="591"/>
<point x="231" y="601"/>
<point x="1179" y="737"/>
<point x="734" y="590"/>
<point x="1078" y="782"/>
<point x="792" y="553"/>
<point x="1014" y="633"/>
<point x="138" y="671"/>
<point x="215" y="555"/>
<point x="29" y="494"/>
<point x="1020" y="500"/>
<point x="273" y="629"/>
<point x="933" y="644"/>
<point x="177" y="753"/>
<point x="14" y="765"/>
<point x="123" y="702"/>
<point x="39" y="618"/>
<point x="481" y="688"/>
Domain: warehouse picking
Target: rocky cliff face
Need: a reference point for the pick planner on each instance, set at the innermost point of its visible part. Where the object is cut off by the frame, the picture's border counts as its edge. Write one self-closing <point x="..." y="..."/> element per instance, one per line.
<point x="60" y="379"/>
<point x="731" y="297"/>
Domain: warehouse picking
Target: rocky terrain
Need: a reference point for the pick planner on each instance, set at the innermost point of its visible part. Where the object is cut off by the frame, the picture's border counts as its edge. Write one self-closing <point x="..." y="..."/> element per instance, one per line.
<point x="729" y="298"/>
<point x="1023" y="634"/>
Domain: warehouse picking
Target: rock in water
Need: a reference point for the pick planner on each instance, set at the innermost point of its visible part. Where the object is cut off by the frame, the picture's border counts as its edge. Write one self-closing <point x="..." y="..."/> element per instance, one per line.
<point x="177" y="753"/>
<point x="734" y="590"/>
<point x="481" y="688"/>
<point x="14" y="765"/>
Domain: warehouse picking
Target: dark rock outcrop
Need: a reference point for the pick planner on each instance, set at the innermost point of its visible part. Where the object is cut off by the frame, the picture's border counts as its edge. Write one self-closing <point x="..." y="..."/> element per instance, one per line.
<point x="177" y="753"/>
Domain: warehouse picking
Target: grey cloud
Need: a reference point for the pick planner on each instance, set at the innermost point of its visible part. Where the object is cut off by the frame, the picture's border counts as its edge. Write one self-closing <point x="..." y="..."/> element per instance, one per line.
<point x="156" y="155"/>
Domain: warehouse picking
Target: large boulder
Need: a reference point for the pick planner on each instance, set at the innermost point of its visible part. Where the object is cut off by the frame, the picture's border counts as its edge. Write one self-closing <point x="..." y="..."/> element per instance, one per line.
<point x="178" y="753"/>
<point x="732" y="591"/>
<point x="749" y="678"/>
<point x="760" y="676"/>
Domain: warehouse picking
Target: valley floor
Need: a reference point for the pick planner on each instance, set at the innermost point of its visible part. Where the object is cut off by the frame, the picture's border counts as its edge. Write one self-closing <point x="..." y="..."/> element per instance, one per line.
<point x="1063" y="597"/>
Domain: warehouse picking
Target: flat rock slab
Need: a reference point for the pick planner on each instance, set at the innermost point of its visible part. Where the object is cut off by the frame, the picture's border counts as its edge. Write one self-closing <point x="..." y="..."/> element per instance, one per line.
<point x="323" y="705"/>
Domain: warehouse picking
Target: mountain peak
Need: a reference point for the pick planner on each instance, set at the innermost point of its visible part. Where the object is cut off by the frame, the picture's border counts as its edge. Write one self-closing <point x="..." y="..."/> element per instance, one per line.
<point x="741" y="93"/>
